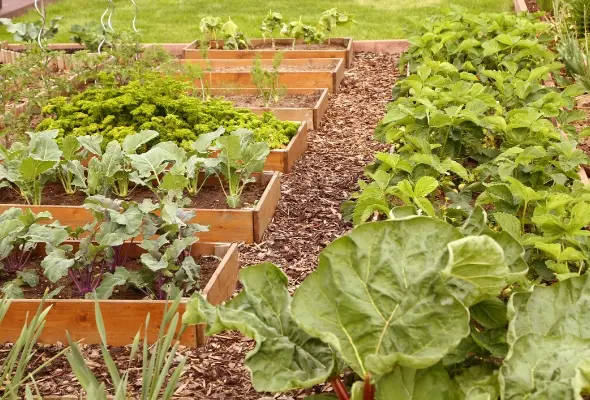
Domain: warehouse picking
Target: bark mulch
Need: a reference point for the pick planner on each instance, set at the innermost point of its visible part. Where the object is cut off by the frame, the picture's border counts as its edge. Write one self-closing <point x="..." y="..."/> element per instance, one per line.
<point x="307" y="219"/>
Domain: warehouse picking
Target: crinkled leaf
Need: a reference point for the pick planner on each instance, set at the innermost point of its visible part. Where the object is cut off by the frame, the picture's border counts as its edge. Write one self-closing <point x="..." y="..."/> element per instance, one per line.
<point x="405" y="383"/>
<point x="383" y="300"/>
<point x="284" y="357"/>
<point x="56" y="265"/>
<point x="490" y="313"/>
<point x="110" y="281"/>
<point x="133" y="142"/>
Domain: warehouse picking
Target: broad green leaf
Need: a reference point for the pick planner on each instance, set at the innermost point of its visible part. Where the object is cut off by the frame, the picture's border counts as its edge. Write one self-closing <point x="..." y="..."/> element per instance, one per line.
<point x="110" y="281"/>
<point x="405" y="383"/>
<point x="493" y="340"/>
<point x="425" y="205"/>
<point x="425" y="186"/>
<point x="476" y="383"/>
<point x="29" y="276"/>
<point x="31" y="169"/>
<point x="545" y="368"/>
<point x="204" y="141"/>
<point x="555" y="310"/>
<point x="284" y="357"/>
<point x="56" y="265"/>
<point x="150" y="162"/>
<point x="473" y="278"/>
<point x="509" y="223"/>
<point x="69" y="147"/>
<point x="91" y="144"/>
<point x="490" y="313"/>
<point x="381" y="310"/>
<point x="133" y="142"/>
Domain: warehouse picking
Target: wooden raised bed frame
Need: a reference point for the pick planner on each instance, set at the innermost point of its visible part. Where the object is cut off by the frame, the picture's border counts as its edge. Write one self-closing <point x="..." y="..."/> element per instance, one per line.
<point x="313" y="116"/>
<point x="123" y="318"/>
<point x="225" y="225"/>
<point x="291" y="79"/>
<point x="282" y="160"/>
<point x="193" y="51"/>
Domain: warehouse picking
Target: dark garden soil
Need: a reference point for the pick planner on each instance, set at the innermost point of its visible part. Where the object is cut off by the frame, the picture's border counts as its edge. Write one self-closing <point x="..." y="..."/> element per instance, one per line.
<point x="209" y="197"/>
<point x="298" y="46"/>
<point x="532" y="5"/>
<point x="282" y="68"/>
<point x="290" y="100"/>
<point x="306" y="220"/>
<point x="208" y="265"/>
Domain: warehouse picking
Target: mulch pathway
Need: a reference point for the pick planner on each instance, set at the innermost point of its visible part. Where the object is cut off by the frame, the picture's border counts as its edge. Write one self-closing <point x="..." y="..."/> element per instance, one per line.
<point x="307" y="219"/>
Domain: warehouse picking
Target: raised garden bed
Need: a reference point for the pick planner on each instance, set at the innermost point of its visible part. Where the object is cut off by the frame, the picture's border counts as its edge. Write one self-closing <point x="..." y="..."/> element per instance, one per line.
<point x="11" y="52"/>
<point x="337" y="48"/>
<point x="123" y="318"/>
<point x="282" y="160"/>
<point x="225" y="225"/>
<point x="298" y="104"/>
<point x="311" y="73"/>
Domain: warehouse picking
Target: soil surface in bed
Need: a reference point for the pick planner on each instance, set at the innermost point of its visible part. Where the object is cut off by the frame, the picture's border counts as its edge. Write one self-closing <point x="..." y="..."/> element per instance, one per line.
<point x="282" y="68"/>
<point x="290" y="100"/>
<point x="208" y="266"/>
<point x="210" y="197"/>
<point x="307" y="219"/>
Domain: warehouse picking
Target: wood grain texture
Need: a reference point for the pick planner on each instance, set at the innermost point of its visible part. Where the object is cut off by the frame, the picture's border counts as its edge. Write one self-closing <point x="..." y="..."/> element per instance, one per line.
<point x="394" y="46"/>
<point x="267" y="206"/>
<point x="226" y="225"/>
<point x="122" y="318"/>
<point x="319" y="113"/>
<point x="282" y="160"/>
<point x="193" y="51"/>
<point x="520" y="6"/>
<point x="291" y="79"/>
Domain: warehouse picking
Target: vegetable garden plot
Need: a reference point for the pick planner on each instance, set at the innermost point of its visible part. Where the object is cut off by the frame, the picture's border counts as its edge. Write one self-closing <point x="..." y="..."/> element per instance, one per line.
<point x="251" y="99"/>
<point x="337" y="48"/>
<point x="296" y="73"/>
<point x="123" y="318"/>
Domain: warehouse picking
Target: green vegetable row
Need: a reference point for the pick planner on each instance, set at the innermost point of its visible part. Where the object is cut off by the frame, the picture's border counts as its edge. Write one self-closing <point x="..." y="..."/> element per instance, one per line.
<point x="161" y="104"/>
<point x="485" y="296"/>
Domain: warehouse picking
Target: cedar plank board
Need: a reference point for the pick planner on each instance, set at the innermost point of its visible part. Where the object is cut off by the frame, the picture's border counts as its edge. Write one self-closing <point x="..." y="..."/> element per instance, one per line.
<point x="291" y="79"/>
<point x="192" y="51"/>
<point x="282" y="160"/>
<point x="123" y="318"/>
<point x="226" y="225"/>
<point x="263" y="215"/>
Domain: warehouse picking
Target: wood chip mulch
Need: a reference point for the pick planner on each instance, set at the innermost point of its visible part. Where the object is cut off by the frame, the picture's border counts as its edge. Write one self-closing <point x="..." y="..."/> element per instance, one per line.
<point x="307" y="219"/>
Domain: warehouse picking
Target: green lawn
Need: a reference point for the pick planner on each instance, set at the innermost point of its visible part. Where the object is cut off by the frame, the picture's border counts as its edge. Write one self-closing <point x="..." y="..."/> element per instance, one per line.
<point x="178" y="20"/>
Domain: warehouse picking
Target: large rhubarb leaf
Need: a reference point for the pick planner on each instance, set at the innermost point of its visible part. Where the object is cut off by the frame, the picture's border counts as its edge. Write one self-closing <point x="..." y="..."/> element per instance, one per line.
<point x="414" y="384"/>
<point x="285" y="357"/>
<point x="546" y="368"/>
<point x="561" y="308"/>
<point x="379" y="298"/>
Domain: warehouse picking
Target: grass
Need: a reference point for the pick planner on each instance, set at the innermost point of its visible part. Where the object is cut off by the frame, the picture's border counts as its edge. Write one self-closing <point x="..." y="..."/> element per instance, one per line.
<point x="169" y="21"/>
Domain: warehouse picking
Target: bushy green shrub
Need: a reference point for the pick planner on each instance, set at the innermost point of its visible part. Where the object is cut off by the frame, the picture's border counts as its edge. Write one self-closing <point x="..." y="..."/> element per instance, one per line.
<point x="159" y="104"/>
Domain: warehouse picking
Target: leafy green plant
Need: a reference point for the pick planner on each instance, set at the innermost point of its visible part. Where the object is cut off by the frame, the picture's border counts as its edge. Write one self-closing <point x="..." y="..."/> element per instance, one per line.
<point x="271" y="22"/>
<point x="239" y="157"/>
<point x="20" y="234"/>
<point x="440" y="278"/>
<point x="211" y="27"/>
<point x="333" y="18"/>
<point x="299" y="30"/>
<point x="267" y="81"/>
<point x="91" y="34"/>
<point x="233" y="37"/>
<point x="30" y="166"/>
<point x="158" y="104"/>
<point x="156" y="361"/>
<point x="100" y="250"/>
<point x="30" y="32"/>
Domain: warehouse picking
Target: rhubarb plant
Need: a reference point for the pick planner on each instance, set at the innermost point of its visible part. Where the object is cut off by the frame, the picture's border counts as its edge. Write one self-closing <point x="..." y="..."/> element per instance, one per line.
<point x="210" y="26"/>
<point x="376" y="314"/>
<point x="30" y="166"/>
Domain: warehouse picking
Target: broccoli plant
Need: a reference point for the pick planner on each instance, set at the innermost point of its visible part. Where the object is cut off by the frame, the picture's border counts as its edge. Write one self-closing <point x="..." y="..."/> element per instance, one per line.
<point x="169" y="266"/>
<point x="30" y="166"/>
<point x="210" y="27"/>
<point x="101" y="252"/>
<point x="233" y="37"/>
<point x="332" y="18"/>
<point x="299" y="30"/>
<point x="30" y="32"/>
<point x="20" y="234"/>
<point x="270" y="23"/>
<point x="239" y="157"/>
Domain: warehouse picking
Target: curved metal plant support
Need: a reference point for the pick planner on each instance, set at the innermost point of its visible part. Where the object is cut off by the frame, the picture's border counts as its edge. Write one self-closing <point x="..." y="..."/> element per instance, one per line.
<point x="41" y="12"/>
<point x="135" y="16"/>
<point x="108" y="26"/>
